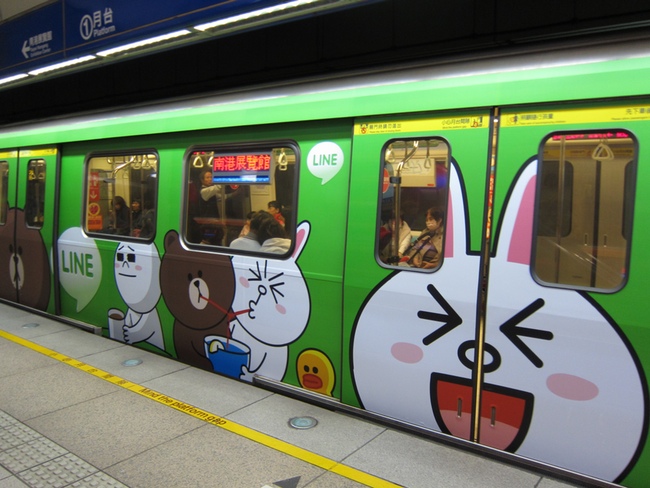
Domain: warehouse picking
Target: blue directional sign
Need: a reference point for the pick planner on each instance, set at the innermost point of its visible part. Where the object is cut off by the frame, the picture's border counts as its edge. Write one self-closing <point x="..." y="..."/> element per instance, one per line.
<point x="32" y="40"/>
<point x="69" y="29"/>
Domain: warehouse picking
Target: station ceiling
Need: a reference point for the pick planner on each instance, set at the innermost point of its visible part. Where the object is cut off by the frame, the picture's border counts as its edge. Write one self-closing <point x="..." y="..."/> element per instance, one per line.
<point x="369" y="35"/>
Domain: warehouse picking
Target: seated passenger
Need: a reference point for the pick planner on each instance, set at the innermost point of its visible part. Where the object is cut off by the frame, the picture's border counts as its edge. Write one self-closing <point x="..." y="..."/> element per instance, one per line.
<point x="120" y="217"/>
<point x="275" y="209"/>
<point x="387" y="238"/>
<point x="248" y="241"/>
<point x="247" y="226"/>
<point x="136" y="218"/>
<point x="426" y="251"/>
<point x="148" y="221"/>
<point x="270" y="234"/>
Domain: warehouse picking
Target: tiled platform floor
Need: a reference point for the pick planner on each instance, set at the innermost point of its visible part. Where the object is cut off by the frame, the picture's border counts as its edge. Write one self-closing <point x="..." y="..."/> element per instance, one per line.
<point x="61" y="425"/>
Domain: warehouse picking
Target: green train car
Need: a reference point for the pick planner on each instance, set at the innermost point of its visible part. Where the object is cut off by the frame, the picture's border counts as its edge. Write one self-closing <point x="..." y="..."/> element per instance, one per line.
<point x="459" y="248"/>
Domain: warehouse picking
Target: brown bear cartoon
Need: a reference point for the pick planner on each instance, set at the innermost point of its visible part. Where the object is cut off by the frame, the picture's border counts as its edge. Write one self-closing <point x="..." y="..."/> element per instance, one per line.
<point x="24" y="266"/>
<point x="198" y="289"/>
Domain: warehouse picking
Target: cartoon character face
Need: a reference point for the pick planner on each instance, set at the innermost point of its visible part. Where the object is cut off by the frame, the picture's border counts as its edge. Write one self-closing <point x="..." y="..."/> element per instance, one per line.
<point x="315" y="372"/>
<point x="136" y="274"/>
<point x="273" y="294"/>
<point x="197" y="288"/>
<point x="561" y="384"/>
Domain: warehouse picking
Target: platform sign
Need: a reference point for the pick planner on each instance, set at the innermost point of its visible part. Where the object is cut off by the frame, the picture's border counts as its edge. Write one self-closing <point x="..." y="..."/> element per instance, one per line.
<point x="68" y="29"/>
<point x="32" y="40"/>
<point x="106" y="23"/>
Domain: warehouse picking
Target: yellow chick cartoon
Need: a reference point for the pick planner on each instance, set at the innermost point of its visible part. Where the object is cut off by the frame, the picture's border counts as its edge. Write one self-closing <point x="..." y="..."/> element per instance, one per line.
<point x="315" y="371"/>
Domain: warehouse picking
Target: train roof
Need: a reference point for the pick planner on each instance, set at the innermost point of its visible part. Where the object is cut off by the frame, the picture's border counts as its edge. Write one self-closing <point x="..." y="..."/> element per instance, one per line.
<point x="583" y="71"/>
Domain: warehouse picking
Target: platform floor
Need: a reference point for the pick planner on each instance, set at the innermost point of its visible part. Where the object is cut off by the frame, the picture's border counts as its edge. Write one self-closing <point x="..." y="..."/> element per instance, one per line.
<point x="75" y="412"/>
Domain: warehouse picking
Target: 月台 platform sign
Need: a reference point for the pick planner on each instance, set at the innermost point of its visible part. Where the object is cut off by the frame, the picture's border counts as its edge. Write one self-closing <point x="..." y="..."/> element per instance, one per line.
<point x="67" y="29"/>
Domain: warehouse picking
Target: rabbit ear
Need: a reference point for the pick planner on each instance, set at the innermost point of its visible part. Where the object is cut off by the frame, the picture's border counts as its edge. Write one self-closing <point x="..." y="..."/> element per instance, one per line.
<point x="516" y="231"/>
<point x="455" y="221"/>
<point x="302" y="233"/>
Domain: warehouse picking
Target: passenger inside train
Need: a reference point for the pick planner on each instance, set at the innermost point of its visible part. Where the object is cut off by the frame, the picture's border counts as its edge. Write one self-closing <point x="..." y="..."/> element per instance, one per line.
<point x="389" y="253"/>
<point x="248" y="241"/>
<point x="427" y="250"/>
<point x="270" y="233"/>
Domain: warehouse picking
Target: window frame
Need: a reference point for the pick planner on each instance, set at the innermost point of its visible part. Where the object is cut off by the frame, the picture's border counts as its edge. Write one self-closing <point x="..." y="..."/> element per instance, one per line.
<point x="441" y="206"/>
<point x="85" y="196"/>
<point x="239" y="147"/>
<point x="627" y="201"/>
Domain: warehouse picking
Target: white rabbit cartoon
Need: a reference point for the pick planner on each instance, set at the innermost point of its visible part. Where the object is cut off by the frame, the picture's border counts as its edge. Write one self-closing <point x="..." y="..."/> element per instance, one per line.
<point x="561" y="383"/>
<point x="274" y="295"/>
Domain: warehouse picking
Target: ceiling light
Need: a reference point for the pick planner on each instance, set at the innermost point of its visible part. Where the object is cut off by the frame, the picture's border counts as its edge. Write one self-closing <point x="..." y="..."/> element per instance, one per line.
<point x="9" y="79"/>
<point x="256" y="13"/>
<point x="144" y="42"/>
<point x="64" y="64"/>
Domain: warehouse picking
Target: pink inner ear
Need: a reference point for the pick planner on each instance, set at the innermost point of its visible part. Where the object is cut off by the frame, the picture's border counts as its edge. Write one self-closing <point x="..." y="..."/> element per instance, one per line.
<point x="449" y="230"/>
<point x="300" y="235"/>
<point x="522" y="231"/>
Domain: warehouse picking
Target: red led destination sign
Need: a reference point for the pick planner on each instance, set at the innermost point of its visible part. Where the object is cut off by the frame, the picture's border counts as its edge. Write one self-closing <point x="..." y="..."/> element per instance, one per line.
<point x="241" y="168"/>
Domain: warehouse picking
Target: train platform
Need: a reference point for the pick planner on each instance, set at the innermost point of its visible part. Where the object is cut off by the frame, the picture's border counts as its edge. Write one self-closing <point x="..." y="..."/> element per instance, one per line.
<point x="80" y="410"/>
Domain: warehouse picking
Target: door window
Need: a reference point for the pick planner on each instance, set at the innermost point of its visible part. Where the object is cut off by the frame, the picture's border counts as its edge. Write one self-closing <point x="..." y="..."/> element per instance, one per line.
<point x="412" y="203"/>
<point x="584" y="209"/>
<point x="4" y="181"/>
<point x="35" y="194"/>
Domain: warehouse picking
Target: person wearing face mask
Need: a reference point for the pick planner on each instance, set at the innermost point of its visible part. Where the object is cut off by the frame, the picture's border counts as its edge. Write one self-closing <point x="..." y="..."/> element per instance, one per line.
<point x="426" y="251"/>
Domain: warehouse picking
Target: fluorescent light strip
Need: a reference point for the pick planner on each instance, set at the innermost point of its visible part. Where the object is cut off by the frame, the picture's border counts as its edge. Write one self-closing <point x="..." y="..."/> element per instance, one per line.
<point x="144" y="42"/>
<point x="64" y="64"/>
<point x="9" y="79"/>
<point x="256" y="13"/>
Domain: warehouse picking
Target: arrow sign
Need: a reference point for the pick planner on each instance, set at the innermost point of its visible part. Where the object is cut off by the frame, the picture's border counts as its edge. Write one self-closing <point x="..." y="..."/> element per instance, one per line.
<point x="25" y="50"/>
<point x="512" y="331"/>
<point x="450" y="321"/>
<point x="290" y="483"/>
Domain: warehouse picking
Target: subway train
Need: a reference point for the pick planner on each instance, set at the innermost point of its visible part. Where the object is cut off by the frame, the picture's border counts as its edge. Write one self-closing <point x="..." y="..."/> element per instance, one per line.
<point x="425" y="243"/>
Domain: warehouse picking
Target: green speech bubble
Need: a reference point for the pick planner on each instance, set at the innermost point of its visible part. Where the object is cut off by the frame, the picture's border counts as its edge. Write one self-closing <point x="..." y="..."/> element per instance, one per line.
<point x="80" y="266"/>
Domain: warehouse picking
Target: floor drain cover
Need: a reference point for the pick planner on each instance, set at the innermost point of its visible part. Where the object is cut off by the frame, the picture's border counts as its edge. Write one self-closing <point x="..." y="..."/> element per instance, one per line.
<point x="132" y="362"/>
<point x="30" y="326"/>
<point x="303" y="422"/>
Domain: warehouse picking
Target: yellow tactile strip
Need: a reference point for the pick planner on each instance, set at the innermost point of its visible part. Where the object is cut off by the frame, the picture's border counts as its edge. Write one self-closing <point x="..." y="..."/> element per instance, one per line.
<point x="259" y="437"/>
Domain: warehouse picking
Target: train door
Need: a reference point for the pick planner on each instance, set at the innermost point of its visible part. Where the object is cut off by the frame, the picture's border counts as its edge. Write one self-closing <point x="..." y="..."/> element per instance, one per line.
<point x="27" y="223"/>
<point x="523" y="332"/>
<point x="412" y="297"/>
<point x="561" y="373"/>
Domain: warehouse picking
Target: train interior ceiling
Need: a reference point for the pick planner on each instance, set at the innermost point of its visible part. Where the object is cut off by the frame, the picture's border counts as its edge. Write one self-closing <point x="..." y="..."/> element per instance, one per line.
<point x="370" y="35"/>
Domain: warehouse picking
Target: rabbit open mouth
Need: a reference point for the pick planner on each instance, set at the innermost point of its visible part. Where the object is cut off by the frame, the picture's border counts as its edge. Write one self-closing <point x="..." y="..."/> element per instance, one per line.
<point x="505" y="413"/>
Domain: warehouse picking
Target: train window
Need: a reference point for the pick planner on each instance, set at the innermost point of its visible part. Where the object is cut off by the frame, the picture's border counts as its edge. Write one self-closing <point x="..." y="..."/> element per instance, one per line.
<point x="584" y="210"/>
<point x="4" y="181"/>
<point x="35" y="194"/>
<point x="226" y="185"/>
<point x="413" y="199"/>
<point x="121" y="195"/>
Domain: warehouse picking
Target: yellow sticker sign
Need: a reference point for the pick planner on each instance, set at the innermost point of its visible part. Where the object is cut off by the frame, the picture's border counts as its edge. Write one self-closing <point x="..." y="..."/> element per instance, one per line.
<point x="370" y="127"/>
<point x="576" y="116"/>
<point x="8" y="154"/>
<point x="38" y="153"/>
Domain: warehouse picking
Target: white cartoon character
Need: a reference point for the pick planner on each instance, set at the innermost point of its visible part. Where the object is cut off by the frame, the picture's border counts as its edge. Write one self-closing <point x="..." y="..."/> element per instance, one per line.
<point x="561" y="384"/>
<point x="274" y="294"/>
<point x="136" y="274"/>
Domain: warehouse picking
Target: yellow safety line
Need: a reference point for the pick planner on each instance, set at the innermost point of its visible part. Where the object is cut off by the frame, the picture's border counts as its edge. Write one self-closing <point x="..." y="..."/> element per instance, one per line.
<point x="253" y="435"/>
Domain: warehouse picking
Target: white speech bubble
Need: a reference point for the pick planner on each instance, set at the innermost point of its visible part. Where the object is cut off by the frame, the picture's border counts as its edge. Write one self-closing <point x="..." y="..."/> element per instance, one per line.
<point x="325" y="160"/>
<point x="80" y="266"/>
